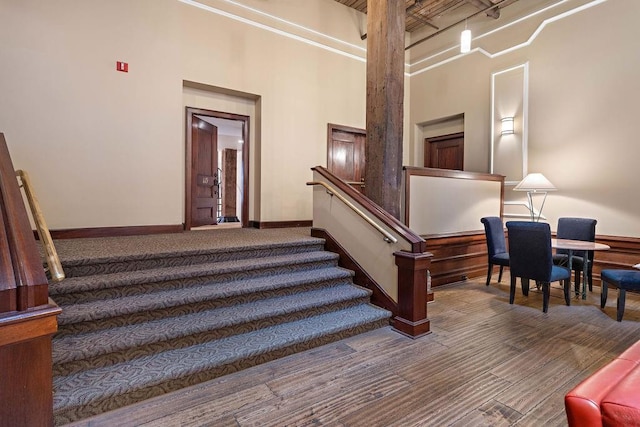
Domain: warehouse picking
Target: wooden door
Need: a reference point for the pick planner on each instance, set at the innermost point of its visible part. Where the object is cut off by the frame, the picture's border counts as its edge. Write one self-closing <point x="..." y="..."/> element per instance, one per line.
<point x="444" y="152"/>
<point x="204" y="173"/>
<point x="345" y="154"/>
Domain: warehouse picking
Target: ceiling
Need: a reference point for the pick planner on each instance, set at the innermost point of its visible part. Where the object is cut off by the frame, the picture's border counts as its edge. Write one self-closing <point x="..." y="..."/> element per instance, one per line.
<point x="434" y="16"/>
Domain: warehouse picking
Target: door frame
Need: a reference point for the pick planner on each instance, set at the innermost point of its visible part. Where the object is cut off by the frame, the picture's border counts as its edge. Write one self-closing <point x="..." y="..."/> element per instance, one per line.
<point x="190" y="112"/>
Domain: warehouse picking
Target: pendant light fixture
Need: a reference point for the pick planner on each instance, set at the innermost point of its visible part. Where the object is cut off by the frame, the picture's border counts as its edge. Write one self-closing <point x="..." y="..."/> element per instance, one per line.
<point x="465" y="40"/>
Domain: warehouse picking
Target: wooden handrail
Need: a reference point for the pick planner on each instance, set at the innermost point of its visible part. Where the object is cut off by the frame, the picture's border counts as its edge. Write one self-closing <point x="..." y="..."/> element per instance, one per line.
<point x="331" y="191"/>
<point x="418" y="245"/>
<point x="27" y="315"/>
<point x="51" y="255"/>
<point x="404" y="295"/>
<point x="23" y="282"/>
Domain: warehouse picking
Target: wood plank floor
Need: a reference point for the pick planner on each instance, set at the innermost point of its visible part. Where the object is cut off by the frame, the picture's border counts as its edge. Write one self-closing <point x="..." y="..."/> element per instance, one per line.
<point x="486" y="363"/>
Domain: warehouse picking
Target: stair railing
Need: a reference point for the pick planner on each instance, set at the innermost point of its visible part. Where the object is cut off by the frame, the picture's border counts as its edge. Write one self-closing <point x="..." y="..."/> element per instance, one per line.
<point x="27" y="315"/>
<point x="51" y="255"/>
<point x="394" y="267"/>
<point x="332" y="192"/>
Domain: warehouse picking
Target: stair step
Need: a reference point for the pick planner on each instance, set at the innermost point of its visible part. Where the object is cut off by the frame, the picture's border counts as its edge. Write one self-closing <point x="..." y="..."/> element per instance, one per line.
<point x="83" y="266"/>
<point x="182" y="301"/>
<point x="207" y="325"/>
<point x="134" y="325"/>
<point x="115" y="285"/>
<point x="100" y="389"/>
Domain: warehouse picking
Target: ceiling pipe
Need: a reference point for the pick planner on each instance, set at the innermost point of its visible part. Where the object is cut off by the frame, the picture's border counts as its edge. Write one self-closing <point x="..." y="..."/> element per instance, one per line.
<point x="430" y="36"/>
<point x="482" y="4"/>
<point x="409" y="11"/>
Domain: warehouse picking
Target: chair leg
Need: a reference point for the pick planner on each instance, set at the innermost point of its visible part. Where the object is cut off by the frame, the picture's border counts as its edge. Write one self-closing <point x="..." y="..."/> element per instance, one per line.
<point x="489" y="274"/>
<point x="577" y="282"/>
<point x="525" y="286"/>
<point x="621" y="301"/>
<point x="545" y="297"/>
<point x="512" y="289"/>
<point x="500" y="274"/>
<point x="603" y="294"/>
<point x="590" y="281"/>
<point x="567" y="298"/>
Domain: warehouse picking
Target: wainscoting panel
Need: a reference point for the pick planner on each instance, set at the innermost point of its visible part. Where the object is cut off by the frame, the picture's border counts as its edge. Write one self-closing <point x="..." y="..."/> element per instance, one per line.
<point x="457" y="257"/>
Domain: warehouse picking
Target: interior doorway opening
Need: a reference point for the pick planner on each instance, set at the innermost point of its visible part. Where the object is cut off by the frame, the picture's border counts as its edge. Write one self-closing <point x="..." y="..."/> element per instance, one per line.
<point x="217" y="169"/>
<point x="440" y="143"/>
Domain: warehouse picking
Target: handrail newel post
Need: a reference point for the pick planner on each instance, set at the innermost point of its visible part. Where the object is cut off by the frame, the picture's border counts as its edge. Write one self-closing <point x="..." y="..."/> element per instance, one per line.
<point x="411" y="319"/>
<point x="28" y="317"/>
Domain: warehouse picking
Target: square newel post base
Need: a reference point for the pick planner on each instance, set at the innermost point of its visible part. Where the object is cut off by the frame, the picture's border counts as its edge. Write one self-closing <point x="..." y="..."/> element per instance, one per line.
<point x="411" y="319"/>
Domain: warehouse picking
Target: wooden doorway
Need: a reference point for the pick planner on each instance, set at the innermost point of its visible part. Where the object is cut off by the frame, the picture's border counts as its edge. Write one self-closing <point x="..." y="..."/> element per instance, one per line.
<point x="444" y="152"/>
<point x="204" y="173"/>
<point x="345" y="153"/>
<point x="202" y="177"/>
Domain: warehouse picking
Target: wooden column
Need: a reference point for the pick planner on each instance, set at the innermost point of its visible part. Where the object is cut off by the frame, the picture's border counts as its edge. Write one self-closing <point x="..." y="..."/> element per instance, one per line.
<point x="229" y="180"/>
<point x="385" y="97"/>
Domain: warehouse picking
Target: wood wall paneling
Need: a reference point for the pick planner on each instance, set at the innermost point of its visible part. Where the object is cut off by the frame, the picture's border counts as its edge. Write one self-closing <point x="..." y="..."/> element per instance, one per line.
<point x="457" y="257"/>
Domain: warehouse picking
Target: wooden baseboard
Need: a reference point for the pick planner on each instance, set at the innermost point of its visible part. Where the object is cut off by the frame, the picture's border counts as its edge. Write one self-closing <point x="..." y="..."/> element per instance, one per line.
<point x="137" y="230"/>
<point x="76" y="233"/>
<point x="280" y="224"/>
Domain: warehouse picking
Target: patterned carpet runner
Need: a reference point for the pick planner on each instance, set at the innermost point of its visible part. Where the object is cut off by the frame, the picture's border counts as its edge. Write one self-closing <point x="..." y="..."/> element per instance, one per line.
<point x="147" y="315"/>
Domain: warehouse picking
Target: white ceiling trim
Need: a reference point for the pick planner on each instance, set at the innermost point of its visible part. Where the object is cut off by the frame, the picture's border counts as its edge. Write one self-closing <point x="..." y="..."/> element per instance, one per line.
<point x="276" y="30"/>
<point x="530" y="40"/>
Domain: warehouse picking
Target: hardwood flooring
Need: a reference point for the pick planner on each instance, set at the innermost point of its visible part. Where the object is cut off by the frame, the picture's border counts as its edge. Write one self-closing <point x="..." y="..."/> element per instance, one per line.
<point x="486" y="363"/>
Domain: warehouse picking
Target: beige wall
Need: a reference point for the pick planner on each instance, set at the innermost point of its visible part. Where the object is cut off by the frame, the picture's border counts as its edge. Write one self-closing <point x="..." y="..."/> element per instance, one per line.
<point x="582" y="108"/>
<point x="106" y="148"/>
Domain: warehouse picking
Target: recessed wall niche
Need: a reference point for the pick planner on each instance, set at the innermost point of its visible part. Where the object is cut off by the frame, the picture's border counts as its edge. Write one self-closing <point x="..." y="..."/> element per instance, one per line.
<point x="509" y="98"/>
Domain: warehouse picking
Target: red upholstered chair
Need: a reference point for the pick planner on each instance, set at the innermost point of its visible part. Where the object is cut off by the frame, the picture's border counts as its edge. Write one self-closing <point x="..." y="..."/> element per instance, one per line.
<point x="610" y="397"/>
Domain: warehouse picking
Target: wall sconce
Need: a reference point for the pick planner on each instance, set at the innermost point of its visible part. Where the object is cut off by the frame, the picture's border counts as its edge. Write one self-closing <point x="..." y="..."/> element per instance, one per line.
<point x="507" y="126"/>
<point x="465" y="41"/>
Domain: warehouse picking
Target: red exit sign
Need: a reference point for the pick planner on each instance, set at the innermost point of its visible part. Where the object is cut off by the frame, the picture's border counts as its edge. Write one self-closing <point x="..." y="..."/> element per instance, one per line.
<point x="122" y="66"/>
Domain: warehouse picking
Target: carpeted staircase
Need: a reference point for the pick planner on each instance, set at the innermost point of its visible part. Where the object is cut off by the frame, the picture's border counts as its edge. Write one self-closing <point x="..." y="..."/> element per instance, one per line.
<point x="136" y="325"/>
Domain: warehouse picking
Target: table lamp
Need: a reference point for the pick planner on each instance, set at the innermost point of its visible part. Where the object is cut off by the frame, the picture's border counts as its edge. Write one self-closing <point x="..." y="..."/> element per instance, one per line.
<point x="535" y="183"/>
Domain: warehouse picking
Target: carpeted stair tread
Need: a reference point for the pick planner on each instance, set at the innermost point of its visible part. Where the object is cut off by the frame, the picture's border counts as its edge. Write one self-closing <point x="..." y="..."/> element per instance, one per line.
<point x="146" y="315"/>
<point x="181" y="257"/>
<point x="127" y="278"/>
<point x="102" y="309"/>
<point x="161" y="372"/>
<point x="109" y="249"/>
<point x="91" y="344"/>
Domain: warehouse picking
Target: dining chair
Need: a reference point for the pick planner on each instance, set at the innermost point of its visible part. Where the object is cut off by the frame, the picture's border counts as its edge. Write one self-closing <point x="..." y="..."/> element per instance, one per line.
<point x="624" y="280"/>
<point x="530" y="258"/>
<point x="576" y="229"/>
<point x="496" y="245"/>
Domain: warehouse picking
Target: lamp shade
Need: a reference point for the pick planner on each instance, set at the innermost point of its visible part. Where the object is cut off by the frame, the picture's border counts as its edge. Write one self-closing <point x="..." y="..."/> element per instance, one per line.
<point x="465" y="41"/>
<point x="535" y="182"/>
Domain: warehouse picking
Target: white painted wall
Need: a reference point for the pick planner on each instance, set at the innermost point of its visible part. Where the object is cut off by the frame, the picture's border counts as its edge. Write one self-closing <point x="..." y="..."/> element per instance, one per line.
<point x="106" y="148"/>
<point x="582" y="107"/>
